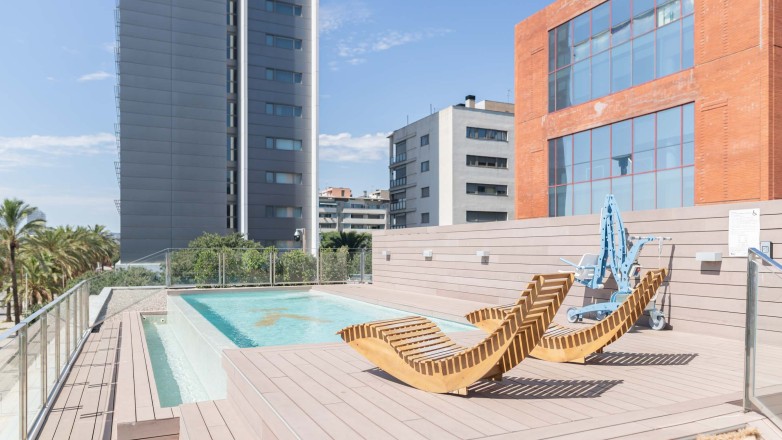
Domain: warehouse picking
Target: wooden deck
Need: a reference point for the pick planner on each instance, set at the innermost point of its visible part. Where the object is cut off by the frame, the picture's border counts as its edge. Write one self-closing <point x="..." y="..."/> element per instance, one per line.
<point x="650" y="385"/>
<point x="84" y="407"/>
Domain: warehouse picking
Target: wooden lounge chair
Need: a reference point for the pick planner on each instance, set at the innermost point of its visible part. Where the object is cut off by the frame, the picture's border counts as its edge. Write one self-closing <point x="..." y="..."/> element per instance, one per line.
<point x="415" y="351"/>
<point x="574" y="343"/>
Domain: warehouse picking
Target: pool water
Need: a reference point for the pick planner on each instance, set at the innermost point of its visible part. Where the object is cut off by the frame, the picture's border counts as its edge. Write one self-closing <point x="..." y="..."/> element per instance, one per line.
<point x="258" y="319"/>
<point x="175" y="376"/>
<point x="185" y="345"/>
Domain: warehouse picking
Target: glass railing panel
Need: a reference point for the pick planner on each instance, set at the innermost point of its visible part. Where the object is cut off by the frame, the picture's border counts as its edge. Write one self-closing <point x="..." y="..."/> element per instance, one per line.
<point x="247" y="266"/>
<point x="767" y="383"/>
<point x="52" y="339"/>
<point x="334" y="265"/>
<point x="9" y="388"/>
<point x="35" y="358"/>
<point x="195" y="267"/>
<point x="294" y="266"/>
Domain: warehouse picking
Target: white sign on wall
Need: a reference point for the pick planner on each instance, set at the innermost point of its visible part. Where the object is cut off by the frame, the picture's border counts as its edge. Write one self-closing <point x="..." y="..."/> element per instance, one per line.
<point x="743" y="231"/>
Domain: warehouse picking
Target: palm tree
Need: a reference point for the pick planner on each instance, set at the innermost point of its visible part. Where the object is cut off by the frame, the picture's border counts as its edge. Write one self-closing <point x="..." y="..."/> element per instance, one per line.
<point x="350" y="239"/>
<point x="15" y="230"/>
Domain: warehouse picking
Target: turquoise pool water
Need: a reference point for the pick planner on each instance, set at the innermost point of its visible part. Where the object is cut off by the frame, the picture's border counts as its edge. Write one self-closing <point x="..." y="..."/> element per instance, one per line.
<point x="258" y="319"/>
<point x="175" y="377"/>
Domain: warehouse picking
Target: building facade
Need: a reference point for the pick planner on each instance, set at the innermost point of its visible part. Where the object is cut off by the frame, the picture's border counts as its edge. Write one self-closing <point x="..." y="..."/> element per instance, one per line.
<point x="217" y="105"/>
<point x="454" y="166"/>
<point x="339" y="211"/>
<point x="664" y="104"/>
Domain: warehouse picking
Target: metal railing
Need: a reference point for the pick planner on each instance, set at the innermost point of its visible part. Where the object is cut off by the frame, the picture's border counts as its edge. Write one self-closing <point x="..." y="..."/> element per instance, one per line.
<point x="208" y="267"/>
<point x="35" y="355"/>
<point x="398" y="205"/>
<point x="399" y="158"/>
<point x="762" y="382"/>
<point x="399" y="182"/>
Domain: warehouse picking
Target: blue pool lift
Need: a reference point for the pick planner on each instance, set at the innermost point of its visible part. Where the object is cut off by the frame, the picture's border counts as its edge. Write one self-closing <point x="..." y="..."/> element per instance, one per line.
<point x="615" y="256"/>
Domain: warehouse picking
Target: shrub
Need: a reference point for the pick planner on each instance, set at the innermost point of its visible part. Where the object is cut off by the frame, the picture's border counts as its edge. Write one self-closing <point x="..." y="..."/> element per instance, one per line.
<point x="296" y="266"/>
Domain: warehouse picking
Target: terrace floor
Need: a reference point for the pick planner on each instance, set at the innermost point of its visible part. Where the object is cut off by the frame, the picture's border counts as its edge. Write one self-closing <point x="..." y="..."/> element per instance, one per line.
<point x="648" y="384"/>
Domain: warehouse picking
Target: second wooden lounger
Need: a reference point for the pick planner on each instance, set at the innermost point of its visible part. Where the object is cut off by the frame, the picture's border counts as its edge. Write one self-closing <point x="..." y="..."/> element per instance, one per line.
<point x="574" y="343"/>
<point x="415" y="351"/>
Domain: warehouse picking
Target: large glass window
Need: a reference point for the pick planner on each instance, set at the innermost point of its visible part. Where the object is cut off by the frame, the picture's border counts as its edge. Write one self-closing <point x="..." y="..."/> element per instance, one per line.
<point x="616" y="45"/>
<point x="283" y="109"/>
<point x="486" y="216"/>
<point x="647" y="162"/>
<point x="486" y="189"/>
<point x="487" y="134"/>
<point x="283" y="42"/>
<point x="283" y="144"/>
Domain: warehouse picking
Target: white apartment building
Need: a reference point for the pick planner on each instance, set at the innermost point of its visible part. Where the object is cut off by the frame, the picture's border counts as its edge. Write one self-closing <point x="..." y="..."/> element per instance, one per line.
<point x="348" y="213"/>
<point x="454" y="166"/>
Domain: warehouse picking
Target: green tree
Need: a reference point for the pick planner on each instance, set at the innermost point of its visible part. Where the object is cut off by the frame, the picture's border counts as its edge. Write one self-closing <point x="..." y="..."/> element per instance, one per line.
<point x="350" y="239"/>
<point x="15" y="231"/>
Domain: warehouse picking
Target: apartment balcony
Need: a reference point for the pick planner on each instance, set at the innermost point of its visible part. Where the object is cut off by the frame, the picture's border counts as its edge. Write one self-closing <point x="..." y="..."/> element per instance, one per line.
<point x="399" y="158"/>
<point x="402" y="181"/>
<point x="399" y="205"/>
<point x="364" y="221"/>
<point x="365" y="211"/>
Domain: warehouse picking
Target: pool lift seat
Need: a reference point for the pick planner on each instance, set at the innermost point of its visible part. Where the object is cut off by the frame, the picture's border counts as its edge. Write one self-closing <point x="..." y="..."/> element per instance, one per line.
<point x="619" y="257"/>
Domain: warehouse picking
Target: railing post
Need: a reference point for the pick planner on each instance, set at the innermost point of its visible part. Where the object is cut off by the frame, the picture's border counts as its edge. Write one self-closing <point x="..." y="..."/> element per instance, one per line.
<point x="750" y="331"/>
<point x="22" y="341"/>
<point x="272" y="266"/>
<point x="67" y="327"/>
<point x="168" y="268"/>
<point x="57" y="318"/>
<point x="318" y="260"/>
<point x="44" y="357"/>
<point x="362" y="261"/>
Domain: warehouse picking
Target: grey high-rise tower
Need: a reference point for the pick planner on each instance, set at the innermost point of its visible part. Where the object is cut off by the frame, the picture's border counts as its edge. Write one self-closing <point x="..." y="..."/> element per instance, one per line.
<point x="217" y="105"/>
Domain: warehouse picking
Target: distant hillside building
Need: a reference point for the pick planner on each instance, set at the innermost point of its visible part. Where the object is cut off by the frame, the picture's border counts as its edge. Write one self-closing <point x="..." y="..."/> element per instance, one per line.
<point x="339" y="213"/>
<point x="454" y="166"/>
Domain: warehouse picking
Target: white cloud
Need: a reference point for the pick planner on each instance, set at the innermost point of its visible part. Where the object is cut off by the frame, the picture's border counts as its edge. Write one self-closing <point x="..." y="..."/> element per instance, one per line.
<point x="343" y="147"/>
<point x="109" y="47"/>
<point x="336" y="15"/>
<point x="40" y="150"/>
<point x="348" y="48"/>
<point x="51" y="78"/>
<point x="96" y="76"/>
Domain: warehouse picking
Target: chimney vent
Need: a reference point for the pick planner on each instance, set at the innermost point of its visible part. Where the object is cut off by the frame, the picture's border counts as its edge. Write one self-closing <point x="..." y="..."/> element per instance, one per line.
<point x="469" y="101"/>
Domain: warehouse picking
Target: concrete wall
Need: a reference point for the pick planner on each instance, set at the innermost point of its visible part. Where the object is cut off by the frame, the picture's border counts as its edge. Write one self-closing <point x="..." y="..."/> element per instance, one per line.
<point x="461" y="174"/>
<point x="699" y="297"/>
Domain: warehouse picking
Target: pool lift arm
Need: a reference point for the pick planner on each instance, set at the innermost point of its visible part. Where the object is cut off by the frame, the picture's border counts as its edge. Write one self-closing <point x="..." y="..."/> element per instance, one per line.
<point x="614" y="256"/>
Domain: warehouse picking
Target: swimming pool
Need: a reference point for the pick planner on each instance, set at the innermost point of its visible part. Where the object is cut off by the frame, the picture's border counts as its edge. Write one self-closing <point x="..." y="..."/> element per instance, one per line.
<point x="185" y="346"/>
<point x="261" y="319"/>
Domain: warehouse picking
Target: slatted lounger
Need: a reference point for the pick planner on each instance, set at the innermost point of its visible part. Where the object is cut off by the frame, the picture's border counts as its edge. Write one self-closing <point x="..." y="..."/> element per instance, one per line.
<point x="574" y="343"/>
<point x="415" y="351"/>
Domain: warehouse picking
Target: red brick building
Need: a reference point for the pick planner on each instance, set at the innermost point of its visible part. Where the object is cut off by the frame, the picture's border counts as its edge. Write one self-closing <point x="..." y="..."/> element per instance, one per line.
<point x="664" y="103"/>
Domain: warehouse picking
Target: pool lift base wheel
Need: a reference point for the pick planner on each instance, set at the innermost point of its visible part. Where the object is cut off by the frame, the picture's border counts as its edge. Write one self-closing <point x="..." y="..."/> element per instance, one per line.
<point x="619" y="258"/>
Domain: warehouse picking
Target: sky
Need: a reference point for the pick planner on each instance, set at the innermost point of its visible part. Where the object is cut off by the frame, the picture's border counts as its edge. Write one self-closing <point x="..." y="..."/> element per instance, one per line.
<point x="382" y="63"/>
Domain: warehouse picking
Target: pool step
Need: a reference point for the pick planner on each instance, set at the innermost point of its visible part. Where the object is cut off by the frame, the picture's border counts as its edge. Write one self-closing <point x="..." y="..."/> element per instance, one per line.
<point x="212" y="420"/>
<point x="243" y="393"/>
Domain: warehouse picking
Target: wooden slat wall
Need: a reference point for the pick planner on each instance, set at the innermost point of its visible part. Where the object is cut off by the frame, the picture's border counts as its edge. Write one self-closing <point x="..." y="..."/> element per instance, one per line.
<point x="706" y="298"/>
